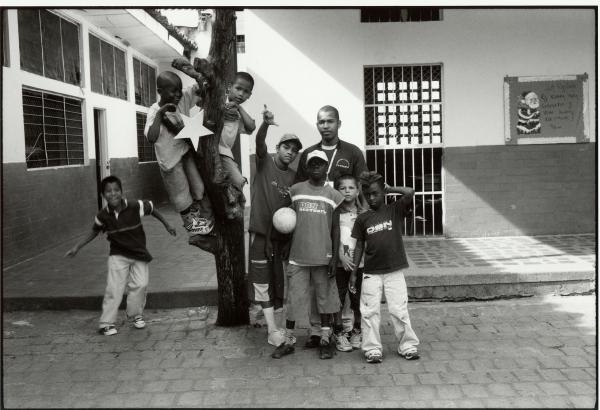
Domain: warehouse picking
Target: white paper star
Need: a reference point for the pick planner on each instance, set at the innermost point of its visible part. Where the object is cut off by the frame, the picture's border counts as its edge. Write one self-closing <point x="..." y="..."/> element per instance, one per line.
<point x="194" y="128"/>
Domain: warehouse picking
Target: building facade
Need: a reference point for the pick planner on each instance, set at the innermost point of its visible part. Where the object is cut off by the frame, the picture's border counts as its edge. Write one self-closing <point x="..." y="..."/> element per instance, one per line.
<point x="422" y="92"/>
<point x="76" y="87"/>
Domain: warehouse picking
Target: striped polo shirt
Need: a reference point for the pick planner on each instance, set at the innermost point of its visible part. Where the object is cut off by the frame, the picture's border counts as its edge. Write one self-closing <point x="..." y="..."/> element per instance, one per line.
<point x="311" y="240"/>
<point x="124" y="229"/>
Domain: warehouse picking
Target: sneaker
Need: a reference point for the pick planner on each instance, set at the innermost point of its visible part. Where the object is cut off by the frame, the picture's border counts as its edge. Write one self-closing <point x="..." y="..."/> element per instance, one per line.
<point x="355" y="338"/>
<point x="283" y="350"/>
<point x="325" y="350"/>
<point x="197" y="225"/>
<point x="276" y="337"/>
<point x="412" y="355"/>
<point x="374" y="356"/>
<point x="313" y="341"/>
<point x="139" y="323"/>
<point x="342" y="343"/>
<point x="108" y="330"/>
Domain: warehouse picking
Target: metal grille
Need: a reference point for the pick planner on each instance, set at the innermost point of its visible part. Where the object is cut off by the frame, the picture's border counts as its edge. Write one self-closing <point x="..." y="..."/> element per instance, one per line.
<point x="399" y="14"/>
<point x="53" y="129"/>
<point x="403" y="120"/>
<point x="145" y="148"/>
<point x="240" y="43"/>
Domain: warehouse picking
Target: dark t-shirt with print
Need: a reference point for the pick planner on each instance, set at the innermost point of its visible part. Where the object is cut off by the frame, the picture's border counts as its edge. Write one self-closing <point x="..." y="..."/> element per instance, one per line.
<point x="381" y="232"/>
<point x="270" y="191"/>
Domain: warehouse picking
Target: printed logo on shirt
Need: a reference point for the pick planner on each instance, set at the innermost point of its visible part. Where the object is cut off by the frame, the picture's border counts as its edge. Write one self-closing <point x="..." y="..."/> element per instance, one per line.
<point x="342" y="163"/>
<point x="284" y="191"/>
<point x="384" y="226"/>
<point x="310" y="207"/>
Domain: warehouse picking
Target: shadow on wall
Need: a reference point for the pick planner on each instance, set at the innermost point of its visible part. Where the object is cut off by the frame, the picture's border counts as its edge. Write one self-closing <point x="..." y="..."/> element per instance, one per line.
<point x="520" y="190"/>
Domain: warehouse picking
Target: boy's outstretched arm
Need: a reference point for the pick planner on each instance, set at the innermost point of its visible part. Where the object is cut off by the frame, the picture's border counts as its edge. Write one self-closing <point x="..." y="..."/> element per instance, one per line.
<point x="73" y="251"/>
<point x="358" y="252"/>
<point x="187" y="68"/>
<point x="249" y="123"/>
<point x="162" y="219"/>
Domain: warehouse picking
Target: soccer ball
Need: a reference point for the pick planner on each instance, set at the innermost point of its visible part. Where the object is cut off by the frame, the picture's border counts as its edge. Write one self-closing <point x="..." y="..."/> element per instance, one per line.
<point x="284" y="220"/>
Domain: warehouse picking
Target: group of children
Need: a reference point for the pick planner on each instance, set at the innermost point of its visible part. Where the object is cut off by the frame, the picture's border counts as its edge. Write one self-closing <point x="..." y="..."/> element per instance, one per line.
<point x="319" y="263"/>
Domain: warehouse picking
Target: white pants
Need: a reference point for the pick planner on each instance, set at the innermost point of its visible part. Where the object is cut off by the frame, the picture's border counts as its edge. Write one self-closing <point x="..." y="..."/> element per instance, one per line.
<point x="122" y="272"/>
<point x="396" y="295"/>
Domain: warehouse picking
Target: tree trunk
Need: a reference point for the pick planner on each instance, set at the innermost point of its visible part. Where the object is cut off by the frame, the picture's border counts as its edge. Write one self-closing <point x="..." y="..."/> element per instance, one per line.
<point x="227" y="201"/>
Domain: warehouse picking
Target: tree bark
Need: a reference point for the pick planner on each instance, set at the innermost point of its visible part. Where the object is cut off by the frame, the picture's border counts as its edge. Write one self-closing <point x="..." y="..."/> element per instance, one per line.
<point x="227" y="201"/>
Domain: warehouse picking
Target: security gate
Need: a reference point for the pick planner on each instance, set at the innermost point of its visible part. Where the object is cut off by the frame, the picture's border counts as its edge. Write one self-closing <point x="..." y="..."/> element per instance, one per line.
<point x="403" y="121"/>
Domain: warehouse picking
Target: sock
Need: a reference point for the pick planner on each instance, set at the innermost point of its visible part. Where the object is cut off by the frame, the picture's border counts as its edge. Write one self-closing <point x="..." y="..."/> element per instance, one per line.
<point x="269" y="318"/>
<point x="325" y="333"/>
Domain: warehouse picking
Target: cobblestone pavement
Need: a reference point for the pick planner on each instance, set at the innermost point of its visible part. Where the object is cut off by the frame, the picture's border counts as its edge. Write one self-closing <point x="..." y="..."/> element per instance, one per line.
<point x="534" y="352"/>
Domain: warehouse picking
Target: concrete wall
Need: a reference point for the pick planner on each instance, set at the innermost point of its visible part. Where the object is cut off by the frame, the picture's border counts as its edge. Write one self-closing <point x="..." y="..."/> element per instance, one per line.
<point x="47" y="206"/>
<point x="304" y="59"/>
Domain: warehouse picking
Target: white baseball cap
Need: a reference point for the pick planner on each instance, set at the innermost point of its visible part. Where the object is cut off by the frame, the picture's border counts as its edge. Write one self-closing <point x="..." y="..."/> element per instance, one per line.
<point x="316" y="154"/>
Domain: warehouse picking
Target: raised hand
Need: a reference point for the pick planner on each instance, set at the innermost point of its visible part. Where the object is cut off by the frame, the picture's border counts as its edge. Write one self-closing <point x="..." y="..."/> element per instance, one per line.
<point x="268" y="116"/>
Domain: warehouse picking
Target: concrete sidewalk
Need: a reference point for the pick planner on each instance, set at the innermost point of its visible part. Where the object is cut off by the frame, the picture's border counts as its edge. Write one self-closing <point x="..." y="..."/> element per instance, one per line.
<point x="537" y="352"/>
<point x="440" y="269"/>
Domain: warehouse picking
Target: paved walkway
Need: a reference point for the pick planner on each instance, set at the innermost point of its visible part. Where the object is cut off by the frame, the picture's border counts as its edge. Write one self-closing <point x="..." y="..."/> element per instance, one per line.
<point x="180" y="267"/>
<point x="520" y="353"/>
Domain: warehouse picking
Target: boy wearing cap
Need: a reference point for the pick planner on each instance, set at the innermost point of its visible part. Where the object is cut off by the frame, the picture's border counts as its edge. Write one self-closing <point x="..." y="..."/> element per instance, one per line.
<point x="311" y="259"/>
<point x="270" y="191"/>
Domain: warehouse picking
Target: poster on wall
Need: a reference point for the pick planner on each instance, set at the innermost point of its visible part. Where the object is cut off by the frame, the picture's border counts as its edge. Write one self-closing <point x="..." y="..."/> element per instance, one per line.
<point x="546" y="110"/>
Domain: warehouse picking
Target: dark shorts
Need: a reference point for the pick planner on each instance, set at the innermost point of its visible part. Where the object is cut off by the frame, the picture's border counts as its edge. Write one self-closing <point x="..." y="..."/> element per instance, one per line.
<point x="265" y="278"/>
<point x="342" y="277"/>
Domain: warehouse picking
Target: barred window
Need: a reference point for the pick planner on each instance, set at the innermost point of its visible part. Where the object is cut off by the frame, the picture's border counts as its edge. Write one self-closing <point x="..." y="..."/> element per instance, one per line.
<point x="107" y="69"/>
<point x="144" y="78"/>
<point x="49" y="45"/>
<point x="53" y="129"/>
<point x="145" y="148"/>
<point x="399" y="14"/>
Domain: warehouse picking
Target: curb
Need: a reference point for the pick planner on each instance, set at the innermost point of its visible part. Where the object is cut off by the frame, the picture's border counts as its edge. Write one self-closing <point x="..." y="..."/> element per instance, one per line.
<point x="441" y="288"/>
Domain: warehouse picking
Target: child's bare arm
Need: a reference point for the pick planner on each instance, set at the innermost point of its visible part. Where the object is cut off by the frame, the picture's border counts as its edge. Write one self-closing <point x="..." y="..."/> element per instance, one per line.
<point x="154" y="130"/>
<point x="358" y="252"/>
<point x="187" y="68"/>
<point x="249" y="123"/>
<point x="407" y="192"/>
<point x="73" y="251"/>
<point x="161" y="218"/>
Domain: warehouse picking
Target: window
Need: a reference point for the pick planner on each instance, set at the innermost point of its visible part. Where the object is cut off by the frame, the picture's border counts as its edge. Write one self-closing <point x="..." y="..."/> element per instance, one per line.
<point x="107" y="69"/>
<point x="145" y="148"/>
<point x="403" y="136"/>
<point x="53" y="129"/>
<point x="240" y="42"/>
<point x="49" y="45"/>
<point x="144" y="78"/>
<point x="399" y="14"/>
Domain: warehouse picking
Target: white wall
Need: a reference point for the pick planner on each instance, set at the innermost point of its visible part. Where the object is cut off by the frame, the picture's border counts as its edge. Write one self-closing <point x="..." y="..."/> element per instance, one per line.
<point x="120" y="114"/>
<point x="304" y="59"/>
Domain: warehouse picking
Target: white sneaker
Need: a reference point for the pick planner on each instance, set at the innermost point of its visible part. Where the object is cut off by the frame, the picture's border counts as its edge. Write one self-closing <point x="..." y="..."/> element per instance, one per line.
<point x="355" y="338"/>
<point x="341" y="342"/>
<point x="276" y="337"/>
<point x="108" y="330"/>
<point x="139" y="323"/>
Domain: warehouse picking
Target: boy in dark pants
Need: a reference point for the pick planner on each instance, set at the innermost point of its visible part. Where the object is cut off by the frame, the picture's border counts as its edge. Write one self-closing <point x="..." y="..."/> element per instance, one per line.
<point x="129" y="258"/>
<point x="343" y="221"/>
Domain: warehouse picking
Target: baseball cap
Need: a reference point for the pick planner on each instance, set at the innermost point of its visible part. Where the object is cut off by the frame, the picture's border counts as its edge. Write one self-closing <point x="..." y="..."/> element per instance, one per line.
<point x="290" y="137"/>
<point x="316" y="154"/>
